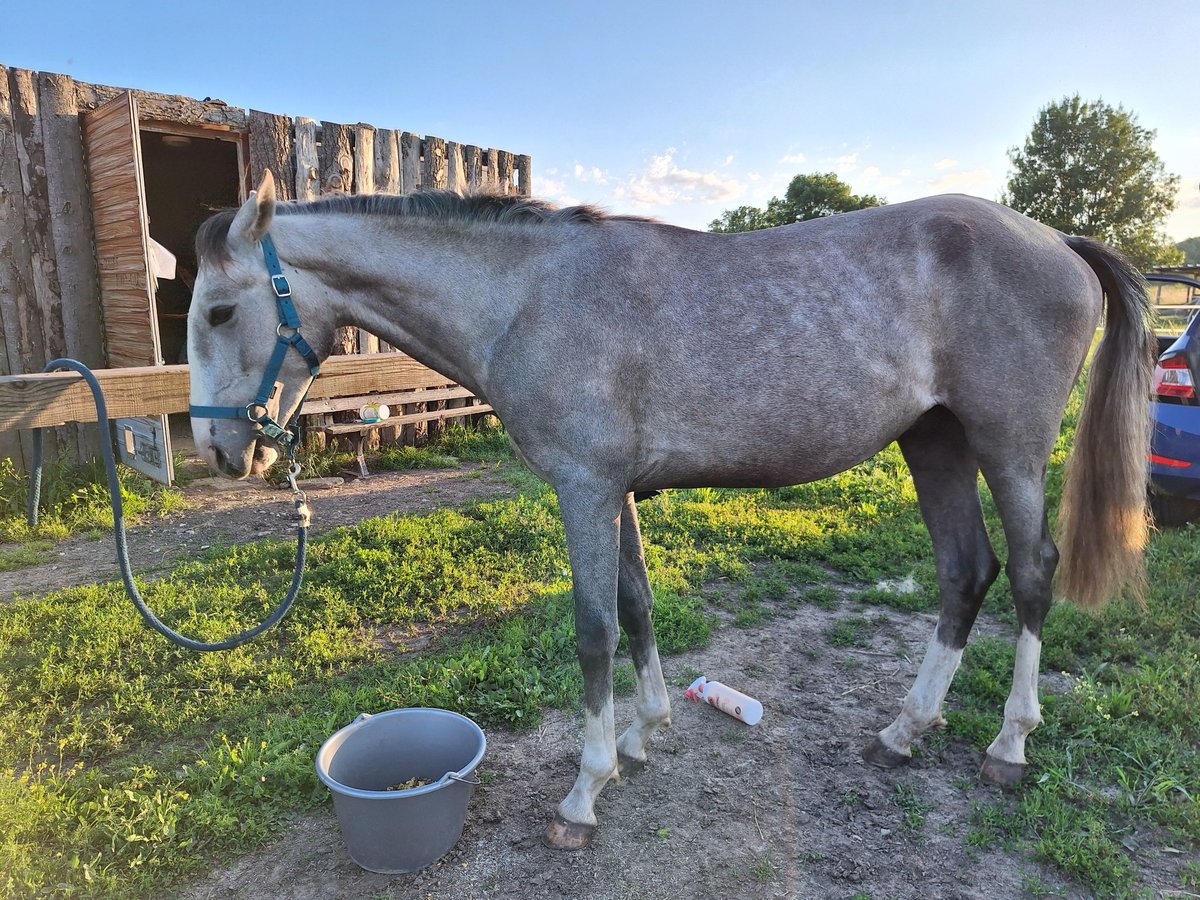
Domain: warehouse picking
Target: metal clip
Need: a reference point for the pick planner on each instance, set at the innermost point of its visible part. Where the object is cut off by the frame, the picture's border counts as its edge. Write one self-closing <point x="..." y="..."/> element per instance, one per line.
<point x="292" y="472"/>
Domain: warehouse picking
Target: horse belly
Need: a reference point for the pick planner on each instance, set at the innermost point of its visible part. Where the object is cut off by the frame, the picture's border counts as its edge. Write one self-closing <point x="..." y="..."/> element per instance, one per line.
<point x="772" y="451"/>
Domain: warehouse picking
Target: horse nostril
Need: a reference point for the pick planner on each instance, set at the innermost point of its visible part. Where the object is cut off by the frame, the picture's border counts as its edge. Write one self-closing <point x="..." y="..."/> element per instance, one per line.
<point x="220" y="458"/>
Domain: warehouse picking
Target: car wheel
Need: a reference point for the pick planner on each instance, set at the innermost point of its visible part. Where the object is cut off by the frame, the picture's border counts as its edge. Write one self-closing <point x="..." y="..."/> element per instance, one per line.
<point x="1170" y="511"/>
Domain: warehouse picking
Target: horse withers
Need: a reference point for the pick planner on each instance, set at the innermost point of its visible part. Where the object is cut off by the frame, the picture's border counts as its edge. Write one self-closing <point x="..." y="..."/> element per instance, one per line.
<point x="624" y="355"/>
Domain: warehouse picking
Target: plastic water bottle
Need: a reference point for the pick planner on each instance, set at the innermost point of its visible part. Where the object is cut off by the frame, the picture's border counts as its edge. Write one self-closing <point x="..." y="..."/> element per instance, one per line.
<point x="726" y="699"/>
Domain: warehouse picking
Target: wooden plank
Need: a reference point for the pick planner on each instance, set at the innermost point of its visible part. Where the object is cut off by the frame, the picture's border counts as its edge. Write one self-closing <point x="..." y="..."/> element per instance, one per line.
<point x="433" y="163"/>
<point x="525" y="176"/>
<point x="119" y="211"/>
<point x="31" y="401"/>
<point x="165" y="107"/>
<point x="272" y="147"/>
<point x="72" y="230"/>
<point x="336" y="155"/>
<point x="410" y="162"/>
<point x="473" y="162"/>
<point x="341" y="404"/>
<point x="456" y="168"/>
<point x="430" y="416"/>
<point x="308" y="166"/>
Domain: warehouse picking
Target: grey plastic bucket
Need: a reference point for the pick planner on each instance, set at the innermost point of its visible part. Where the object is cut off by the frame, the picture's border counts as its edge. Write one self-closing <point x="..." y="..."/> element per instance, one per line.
<point x="402" y="831"/>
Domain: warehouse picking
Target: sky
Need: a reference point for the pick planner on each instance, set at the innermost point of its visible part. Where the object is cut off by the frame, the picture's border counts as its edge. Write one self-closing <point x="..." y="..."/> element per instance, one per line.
<point x="673" y="110"/>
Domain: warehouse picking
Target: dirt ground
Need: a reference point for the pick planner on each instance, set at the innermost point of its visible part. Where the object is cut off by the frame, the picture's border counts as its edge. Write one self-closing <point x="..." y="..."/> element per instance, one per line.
<point x="786" y="809"/>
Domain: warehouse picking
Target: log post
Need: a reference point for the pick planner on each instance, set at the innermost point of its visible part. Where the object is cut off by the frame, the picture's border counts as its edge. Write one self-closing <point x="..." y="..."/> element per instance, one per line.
<point x="272" y="147"/>
<point x="31" y="166"/>
<point x="524" y="176"/>
<point x="473" y="162"/>
<point x="72" y="230"/>
<point x="308" y="166"/>
<point x="410" y="162"/>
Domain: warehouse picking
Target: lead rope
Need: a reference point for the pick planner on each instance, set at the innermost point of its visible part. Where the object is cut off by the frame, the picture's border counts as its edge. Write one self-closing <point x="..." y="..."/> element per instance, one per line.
<point x="303" y="515"/>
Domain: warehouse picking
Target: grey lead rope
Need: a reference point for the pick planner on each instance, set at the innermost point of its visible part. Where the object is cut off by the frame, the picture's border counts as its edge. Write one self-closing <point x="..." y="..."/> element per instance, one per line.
<point x="118" y="508"/>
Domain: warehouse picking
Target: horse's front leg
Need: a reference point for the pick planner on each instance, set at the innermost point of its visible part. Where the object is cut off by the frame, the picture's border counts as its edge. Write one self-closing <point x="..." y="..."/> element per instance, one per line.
<point x="635" y="600"/>
<point x="591" y="515"/>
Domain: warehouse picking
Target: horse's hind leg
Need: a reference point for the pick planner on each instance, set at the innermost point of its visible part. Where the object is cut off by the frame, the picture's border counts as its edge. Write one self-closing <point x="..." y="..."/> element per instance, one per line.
<point x="945" y="473"/>
<point x="1019" y="492"/>
<point x="634" y="602"/>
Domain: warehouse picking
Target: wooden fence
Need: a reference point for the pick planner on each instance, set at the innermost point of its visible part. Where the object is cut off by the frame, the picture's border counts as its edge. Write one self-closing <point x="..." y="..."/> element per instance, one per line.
<point x="52" y="295"/>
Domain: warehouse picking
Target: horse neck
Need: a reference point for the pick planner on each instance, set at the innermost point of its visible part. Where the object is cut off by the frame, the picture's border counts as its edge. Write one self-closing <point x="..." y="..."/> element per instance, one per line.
<point x="442" y="292"/>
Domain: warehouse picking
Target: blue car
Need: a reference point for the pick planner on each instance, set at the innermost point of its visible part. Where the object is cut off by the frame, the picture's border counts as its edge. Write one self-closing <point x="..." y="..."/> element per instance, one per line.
<point x="1174" y="404"/>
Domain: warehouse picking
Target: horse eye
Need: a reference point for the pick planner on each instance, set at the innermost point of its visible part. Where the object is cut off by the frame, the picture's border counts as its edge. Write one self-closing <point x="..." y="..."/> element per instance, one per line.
<point x="219" y="315"/>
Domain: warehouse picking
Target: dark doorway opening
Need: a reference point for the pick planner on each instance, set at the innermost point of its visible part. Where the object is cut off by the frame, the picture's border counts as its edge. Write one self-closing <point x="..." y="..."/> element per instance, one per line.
<point x="187" y="177"/>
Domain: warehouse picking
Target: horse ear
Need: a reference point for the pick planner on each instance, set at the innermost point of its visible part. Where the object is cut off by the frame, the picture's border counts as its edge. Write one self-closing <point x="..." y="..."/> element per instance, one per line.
<point x="253" y="220"/>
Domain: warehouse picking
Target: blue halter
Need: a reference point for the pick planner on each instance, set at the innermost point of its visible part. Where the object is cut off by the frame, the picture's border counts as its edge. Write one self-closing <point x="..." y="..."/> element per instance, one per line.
<point x="288" y="335"/>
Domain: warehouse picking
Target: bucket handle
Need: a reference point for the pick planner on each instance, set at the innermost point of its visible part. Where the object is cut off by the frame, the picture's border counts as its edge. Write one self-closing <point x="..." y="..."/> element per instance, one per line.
<point x="456" y="777"/>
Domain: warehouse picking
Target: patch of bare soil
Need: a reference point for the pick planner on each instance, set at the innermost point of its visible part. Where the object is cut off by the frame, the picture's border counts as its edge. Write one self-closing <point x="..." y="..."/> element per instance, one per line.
<point x="786" y="809"/>
<point x="226" y="512"/>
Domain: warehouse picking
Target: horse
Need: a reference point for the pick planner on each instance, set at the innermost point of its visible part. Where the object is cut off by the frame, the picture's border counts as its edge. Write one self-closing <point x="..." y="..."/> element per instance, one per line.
<point x="624" y="355"/>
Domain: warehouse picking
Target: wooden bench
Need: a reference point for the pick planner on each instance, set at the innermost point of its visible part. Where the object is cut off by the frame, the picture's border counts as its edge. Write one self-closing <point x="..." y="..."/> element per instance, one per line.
<point x="358" y="430"/>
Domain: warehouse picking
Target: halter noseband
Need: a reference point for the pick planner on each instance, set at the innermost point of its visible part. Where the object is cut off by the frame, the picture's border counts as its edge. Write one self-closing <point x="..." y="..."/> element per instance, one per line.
<point x="287" y="335"/>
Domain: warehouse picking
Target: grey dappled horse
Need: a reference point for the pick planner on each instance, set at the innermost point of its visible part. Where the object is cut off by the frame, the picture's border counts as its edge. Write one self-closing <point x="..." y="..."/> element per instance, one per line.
<point x="625" y="355"/>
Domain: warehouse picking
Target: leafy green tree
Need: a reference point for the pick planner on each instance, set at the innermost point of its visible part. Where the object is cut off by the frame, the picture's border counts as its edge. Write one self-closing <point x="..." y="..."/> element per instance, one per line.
<point x="1190" y="248"/>
<point x="1088" y="168"/>
<point x="807" y="197"/>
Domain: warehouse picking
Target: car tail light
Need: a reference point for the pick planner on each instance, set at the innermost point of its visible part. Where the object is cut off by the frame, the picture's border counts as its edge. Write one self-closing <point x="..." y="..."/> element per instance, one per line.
<point x="1173" y="378"/>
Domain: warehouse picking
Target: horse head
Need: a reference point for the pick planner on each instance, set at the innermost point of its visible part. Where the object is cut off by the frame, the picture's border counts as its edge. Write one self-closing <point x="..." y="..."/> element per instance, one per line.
<point x="235" y="326"/>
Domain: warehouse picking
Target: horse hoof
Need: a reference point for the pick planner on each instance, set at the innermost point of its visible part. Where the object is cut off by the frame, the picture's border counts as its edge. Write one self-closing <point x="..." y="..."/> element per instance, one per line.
<point x="628" y="766"/>
<point x="877" y="753"/>
<point x="997" y="771"/>
<point x="563" y="835"/>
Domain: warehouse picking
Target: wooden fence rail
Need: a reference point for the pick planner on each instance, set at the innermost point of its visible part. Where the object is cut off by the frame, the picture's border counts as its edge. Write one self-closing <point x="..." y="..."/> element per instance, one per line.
<point x="33" y="401"/>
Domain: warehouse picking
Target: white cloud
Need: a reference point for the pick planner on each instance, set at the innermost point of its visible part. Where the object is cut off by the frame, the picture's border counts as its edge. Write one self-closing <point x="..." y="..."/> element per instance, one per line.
<point x="874" y="179"/>
<point x="665" y="182"/>
<point x="847" y="163"/>
<point x="794" y="159"/>
<point x="594" y="175"/>
<point x="960" y="181"/>
<point x="942" y="164"/>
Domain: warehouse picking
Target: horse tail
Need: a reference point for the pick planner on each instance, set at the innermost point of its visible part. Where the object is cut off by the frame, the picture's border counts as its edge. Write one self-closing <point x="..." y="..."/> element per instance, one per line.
<point x="1103" y="523"/>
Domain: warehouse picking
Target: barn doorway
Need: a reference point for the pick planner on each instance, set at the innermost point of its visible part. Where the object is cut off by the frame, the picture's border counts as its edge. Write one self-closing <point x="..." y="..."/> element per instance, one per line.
<point x="188" y="177"/>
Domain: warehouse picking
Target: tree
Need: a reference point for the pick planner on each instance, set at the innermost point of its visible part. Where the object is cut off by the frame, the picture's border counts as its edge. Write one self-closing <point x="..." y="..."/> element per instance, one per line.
<point x="807" y="197"/>
<point x="1190" y="248"/>
<point x="1088" y="168"/>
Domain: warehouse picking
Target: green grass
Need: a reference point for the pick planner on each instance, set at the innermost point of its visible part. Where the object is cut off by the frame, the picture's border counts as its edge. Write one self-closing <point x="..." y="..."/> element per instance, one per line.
<point x="128" y="764"/>
<point x="74" y="499"/>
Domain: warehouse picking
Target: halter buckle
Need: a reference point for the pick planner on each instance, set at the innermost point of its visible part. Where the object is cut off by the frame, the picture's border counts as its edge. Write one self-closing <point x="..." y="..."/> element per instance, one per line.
<point x="279" y="284"/>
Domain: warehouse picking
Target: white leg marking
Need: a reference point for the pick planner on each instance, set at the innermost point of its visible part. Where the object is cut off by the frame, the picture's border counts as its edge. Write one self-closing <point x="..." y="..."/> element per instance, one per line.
<point x="653" y="710"/>
<point x="923" y="705"/>
<point x="1022" y="713"/>
<point x="596" y="767"/>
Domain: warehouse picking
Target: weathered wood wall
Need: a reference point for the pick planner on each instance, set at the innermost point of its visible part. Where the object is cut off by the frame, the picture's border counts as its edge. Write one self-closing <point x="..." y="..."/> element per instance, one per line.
<point x="49" y="302"/>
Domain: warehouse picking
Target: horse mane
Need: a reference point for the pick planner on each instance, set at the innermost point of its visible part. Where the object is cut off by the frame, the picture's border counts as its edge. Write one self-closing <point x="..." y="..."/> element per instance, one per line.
<point x="432" y="206"/>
